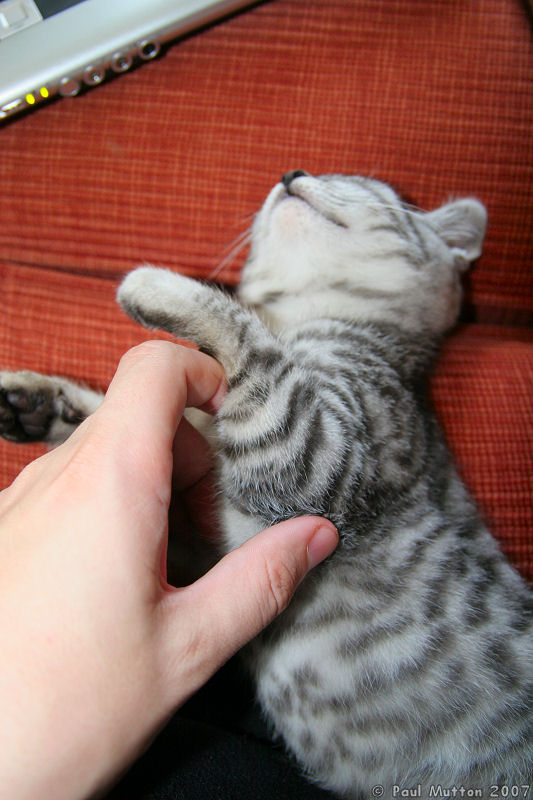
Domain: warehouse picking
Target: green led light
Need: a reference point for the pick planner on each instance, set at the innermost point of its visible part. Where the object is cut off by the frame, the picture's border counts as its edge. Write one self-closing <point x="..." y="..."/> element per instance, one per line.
<point x="43" y="91"/>
<point x="30" y="99"/>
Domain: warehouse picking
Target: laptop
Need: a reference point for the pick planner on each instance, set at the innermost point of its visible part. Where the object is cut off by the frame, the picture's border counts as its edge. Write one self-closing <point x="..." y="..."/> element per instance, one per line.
<point x="51" y="48"/>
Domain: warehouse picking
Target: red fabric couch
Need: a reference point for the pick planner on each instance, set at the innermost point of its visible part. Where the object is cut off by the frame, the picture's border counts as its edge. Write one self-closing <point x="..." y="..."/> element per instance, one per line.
<point x="168" y="163"/>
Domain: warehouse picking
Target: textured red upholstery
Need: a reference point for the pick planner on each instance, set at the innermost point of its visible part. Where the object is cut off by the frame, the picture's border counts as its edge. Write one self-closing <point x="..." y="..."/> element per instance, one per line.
<point x="483" y="394"/>
<point x="168" y="164"/>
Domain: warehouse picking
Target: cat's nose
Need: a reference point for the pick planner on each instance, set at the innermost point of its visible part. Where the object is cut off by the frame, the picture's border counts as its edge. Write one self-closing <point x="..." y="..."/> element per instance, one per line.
<point x="290" y="176"/>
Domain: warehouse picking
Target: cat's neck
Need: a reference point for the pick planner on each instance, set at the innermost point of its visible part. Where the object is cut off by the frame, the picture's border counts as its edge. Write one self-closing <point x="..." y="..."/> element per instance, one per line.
<point x="280" y="311"/>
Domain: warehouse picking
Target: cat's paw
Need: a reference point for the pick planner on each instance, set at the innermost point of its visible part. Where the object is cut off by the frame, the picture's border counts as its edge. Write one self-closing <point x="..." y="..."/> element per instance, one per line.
<point x="33" y="407"/>
<point x="155" y="297"/>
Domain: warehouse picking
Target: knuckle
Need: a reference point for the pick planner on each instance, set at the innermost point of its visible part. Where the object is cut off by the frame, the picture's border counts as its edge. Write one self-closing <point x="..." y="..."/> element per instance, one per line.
<point x="282" y="578"/>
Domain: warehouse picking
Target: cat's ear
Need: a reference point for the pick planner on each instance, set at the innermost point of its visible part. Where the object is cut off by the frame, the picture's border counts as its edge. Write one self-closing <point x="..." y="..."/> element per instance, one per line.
<point x="462" y="225"/>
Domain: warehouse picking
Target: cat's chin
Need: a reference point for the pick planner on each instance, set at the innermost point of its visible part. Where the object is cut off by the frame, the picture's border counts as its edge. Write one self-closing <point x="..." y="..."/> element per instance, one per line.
<point x="292" y="214"/>
<point x="287" y="209"/>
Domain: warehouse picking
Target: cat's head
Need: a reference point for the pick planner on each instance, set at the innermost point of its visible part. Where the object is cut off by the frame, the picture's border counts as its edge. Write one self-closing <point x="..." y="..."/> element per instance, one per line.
<point x="350" y="248"/>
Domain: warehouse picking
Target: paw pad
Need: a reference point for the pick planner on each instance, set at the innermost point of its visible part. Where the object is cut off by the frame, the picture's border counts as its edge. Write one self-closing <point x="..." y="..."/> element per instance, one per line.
<point x="25" y="416"/>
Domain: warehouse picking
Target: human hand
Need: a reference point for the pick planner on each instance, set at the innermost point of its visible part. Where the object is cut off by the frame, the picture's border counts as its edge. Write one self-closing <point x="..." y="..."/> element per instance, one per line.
<point x="98" y="649"/>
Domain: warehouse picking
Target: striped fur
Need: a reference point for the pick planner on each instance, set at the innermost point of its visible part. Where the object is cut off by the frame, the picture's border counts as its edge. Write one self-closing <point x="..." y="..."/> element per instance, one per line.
<point x="405" y="661"/>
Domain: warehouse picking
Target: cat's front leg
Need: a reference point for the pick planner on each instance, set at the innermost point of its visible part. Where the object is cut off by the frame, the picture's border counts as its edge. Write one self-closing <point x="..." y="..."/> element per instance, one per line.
<point x="42" y="408"/>
<point x="203" y="314"/>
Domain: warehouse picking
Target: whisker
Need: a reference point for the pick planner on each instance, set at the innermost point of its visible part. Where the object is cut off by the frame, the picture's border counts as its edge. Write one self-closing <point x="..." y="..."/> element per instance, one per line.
<point x="248" y="218"/>
<point x="235" y="248"/>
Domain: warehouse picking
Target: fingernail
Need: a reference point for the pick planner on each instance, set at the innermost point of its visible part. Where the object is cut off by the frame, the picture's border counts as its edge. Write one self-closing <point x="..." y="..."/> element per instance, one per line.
<point x="323" y="543"/>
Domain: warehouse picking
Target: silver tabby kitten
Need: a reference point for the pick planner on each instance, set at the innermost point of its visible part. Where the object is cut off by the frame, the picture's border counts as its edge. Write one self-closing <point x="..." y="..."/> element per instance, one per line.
<point x="405" y="660"/>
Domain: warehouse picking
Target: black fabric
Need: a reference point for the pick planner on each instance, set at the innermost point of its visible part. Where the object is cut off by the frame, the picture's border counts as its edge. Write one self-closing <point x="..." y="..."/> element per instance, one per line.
<point x="217" y="748"/>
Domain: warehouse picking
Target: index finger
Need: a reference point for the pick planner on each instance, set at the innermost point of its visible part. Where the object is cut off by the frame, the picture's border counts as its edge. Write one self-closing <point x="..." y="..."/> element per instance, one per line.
<point x="154" y="382"/>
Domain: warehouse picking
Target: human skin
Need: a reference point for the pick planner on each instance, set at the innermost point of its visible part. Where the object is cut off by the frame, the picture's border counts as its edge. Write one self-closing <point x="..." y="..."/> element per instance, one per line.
<point x="98" y="650"/>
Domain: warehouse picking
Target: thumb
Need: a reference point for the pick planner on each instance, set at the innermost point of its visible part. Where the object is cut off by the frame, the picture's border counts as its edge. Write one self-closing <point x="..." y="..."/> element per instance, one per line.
<point x="245" y="591"/>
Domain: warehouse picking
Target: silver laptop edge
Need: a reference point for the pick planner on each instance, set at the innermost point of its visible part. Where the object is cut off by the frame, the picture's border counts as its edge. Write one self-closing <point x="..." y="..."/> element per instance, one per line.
<point x="77" y="46"/>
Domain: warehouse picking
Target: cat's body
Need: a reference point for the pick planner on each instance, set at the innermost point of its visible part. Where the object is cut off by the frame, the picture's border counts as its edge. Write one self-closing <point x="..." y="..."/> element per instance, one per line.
<point x="406" y="659"/>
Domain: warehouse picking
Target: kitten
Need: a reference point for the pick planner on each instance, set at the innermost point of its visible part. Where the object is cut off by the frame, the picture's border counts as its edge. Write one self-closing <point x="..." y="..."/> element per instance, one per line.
<point x="404" y="661"/>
